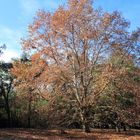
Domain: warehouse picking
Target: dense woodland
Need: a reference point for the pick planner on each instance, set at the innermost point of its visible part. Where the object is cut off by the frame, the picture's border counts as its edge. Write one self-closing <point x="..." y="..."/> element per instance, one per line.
<point x="80" y="69"/>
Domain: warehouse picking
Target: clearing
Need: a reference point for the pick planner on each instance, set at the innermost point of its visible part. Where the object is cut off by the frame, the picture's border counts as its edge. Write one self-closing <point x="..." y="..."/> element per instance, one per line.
<point x="41" y="134"/>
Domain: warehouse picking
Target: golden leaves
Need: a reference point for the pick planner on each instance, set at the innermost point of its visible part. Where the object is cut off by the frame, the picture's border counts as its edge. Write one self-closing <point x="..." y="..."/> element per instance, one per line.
<point x="59" y="20"/>
<point x="35" y="56"/>
<point x="106" y="19"/>
<point x="70" y="43"/>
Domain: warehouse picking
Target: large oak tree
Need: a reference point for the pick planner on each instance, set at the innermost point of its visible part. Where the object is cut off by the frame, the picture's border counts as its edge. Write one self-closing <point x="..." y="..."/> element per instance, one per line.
<point x="75" y="41"/>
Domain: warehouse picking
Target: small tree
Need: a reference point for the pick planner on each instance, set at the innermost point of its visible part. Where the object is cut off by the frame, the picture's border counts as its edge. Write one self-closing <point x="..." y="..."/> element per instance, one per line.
<point x="26" y="82"/>
<point x="6" y="81"/>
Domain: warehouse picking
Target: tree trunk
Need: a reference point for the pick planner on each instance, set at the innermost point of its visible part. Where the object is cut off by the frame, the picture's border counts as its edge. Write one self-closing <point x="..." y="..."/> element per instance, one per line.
<point x="8" y="117"/>
<point x="29" y="114"/>
<point x="129" y="127"/>
<point x="7" y="108"/>
<point x="117" y="128"/>
<point x="85" y="125"/>
<point x="86" y="128"/>
<point x="124" y="127"/>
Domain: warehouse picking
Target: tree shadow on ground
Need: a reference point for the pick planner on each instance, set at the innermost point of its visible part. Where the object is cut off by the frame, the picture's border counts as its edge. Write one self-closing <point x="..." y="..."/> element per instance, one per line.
<point x="39" y="134"/>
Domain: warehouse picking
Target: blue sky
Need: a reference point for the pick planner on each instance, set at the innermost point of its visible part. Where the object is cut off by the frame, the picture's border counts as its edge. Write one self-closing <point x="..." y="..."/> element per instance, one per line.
<point x="15" y="16"/>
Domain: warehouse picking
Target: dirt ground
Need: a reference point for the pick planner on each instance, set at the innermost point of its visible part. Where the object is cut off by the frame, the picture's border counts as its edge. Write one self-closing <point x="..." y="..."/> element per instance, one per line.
<point x="41" y="134"/>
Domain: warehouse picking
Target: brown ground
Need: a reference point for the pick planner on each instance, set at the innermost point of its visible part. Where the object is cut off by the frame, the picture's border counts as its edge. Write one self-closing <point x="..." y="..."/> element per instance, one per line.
<point x="41" y="134"/>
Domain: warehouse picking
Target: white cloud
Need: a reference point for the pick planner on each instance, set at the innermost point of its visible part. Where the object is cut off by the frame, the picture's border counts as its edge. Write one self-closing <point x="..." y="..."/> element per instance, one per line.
<point x="9" y="34"/>
<point x="11" y="38"/>
<point x="8" y="54"/>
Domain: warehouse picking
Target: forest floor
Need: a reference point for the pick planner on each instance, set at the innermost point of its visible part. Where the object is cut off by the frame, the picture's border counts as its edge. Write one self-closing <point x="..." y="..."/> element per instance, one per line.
<point x="41" y="134"/>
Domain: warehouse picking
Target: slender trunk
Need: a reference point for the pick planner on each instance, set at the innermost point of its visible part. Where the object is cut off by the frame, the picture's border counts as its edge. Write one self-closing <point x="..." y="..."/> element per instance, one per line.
<point x="86" y="128"/>
<point x="117" y="127"/>
<point x="29" y="113"/>
<point x="7" y="108"/>
<point x="124" y="127"/>
<point x="5" y="94"/>
<point x="129" y="127"/>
